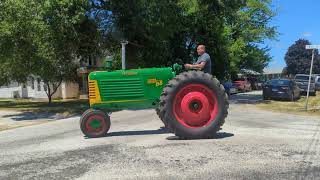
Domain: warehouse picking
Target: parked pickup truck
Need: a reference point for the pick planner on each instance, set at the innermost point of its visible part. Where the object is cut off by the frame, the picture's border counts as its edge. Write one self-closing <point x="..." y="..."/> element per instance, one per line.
<point x="317" y="80"/>
<point x="242" y="84"/>
<point x="302" y="81"/>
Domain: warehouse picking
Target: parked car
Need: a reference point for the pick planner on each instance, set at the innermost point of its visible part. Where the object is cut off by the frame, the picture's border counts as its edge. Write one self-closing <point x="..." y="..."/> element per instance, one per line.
<point x="253" y="82"/>
<point x="256" y="83"/>
<point x="230" y="88"/>
<point x="317" y="81"/>
<point x="281" y="89"/>
<point x="259" y="84"/>
<point x="242" y="84"/>
<point x="302" y="80"/>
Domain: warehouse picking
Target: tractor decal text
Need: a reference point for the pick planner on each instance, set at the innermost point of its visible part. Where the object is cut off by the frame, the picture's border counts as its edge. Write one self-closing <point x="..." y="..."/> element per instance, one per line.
<point x="155" y="81"/>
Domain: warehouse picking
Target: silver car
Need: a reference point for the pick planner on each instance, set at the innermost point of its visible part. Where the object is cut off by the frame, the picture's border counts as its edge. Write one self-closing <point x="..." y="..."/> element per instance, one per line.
<point x="317" y="81"/>
<point x="302" y="81"/>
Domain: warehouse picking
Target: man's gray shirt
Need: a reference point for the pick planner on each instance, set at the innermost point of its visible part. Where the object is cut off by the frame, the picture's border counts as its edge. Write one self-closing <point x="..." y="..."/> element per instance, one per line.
<point x="205" y="58"/>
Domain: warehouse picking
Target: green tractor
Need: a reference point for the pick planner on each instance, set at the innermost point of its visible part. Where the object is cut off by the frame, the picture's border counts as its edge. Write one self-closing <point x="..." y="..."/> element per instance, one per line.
<point x="191" y="104"/>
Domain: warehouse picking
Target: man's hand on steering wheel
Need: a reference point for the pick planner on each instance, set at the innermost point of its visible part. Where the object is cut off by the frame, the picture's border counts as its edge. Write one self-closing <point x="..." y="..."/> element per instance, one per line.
<point x="195" y="66"/>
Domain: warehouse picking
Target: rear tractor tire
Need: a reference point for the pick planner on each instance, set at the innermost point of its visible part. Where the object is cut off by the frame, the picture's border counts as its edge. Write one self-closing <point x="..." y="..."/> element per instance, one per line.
<point x="193" y="105"/>
<point x="95" y="123"/>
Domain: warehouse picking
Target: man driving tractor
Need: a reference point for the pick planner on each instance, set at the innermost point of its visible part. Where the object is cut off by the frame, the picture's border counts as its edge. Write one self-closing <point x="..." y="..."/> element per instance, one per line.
<point x="204" y="61"/>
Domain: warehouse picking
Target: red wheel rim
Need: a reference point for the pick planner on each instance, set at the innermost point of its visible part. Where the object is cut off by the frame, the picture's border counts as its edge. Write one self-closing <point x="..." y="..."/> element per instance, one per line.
<point x="195" y="106"/>
<point x="96" y="124"/>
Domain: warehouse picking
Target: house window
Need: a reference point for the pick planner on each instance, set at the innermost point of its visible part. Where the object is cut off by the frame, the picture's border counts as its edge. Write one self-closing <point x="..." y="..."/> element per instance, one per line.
<point x="38" y="81"/>
<point x="45" y="87"/>
<point x="32" y="83"/>
<point x="92" y="61"/>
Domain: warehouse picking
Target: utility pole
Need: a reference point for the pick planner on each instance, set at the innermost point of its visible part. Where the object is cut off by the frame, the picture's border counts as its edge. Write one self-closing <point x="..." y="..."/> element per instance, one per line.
<point x="313" y="47"/>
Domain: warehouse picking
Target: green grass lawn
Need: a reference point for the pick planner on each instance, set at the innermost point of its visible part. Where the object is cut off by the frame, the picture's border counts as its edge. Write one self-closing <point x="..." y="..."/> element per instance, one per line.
<point x="297" y="107"/>
<point x="69" y="107"/>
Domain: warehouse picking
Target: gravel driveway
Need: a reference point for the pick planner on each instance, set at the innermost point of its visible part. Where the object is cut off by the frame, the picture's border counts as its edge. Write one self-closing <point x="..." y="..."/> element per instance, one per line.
<point x="253" y="144"/>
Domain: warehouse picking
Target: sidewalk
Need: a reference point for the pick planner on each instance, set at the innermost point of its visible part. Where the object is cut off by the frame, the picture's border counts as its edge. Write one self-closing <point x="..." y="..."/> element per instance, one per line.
<point x="16" y="119"/>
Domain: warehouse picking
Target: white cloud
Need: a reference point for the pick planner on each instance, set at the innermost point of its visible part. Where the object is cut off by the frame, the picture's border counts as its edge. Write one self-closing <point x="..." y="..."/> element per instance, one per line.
<point x="307" y="34"/>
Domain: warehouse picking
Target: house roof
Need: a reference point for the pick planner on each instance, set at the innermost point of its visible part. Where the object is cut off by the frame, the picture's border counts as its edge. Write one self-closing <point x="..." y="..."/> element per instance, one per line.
<point x="272" y="71"/>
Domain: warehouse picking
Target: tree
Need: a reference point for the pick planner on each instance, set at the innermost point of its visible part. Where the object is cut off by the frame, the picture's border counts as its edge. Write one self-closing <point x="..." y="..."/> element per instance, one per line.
<point x="45" y="39"/>
<point x="246" y="29"/>
<point x="285" y="72"/>
<point x="170" y="29"/>
<point x="16" y="41"/>
<point x="298" y="58"/>
<point x="148" y="25"/>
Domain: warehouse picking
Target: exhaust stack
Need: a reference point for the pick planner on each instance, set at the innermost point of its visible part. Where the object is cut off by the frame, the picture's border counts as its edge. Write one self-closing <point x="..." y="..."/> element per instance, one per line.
<point x="123" y="52"/>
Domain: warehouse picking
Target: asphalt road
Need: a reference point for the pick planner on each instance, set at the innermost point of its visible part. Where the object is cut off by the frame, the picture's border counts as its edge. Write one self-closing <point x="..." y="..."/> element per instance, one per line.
<point x="253" y="144"/>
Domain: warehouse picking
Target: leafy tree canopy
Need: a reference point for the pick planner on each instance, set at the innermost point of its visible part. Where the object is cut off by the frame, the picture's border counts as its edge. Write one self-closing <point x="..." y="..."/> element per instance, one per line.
<point x="161" y="31"/>
<point x="48" y="38"/>
<point x="298" y="58"/>
<point x="44" y="39"/>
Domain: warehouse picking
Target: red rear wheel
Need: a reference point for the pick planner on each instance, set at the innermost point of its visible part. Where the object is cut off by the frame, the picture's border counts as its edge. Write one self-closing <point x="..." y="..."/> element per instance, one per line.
<point x="194" y="105"/>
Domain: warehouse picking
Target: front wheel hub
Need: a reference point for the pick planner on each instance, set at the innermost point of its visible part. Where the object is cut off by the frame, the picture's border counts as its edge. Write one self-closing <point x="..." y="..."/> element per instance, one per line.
<point x="95" y="124"/>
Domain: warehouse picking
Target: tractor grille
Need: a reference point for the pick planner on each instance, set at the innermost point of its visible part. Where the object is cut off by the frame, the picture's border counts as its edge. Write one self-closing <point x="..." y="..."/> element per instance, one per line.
<point x="92" y="90"/>
<point x="121" y="88"/>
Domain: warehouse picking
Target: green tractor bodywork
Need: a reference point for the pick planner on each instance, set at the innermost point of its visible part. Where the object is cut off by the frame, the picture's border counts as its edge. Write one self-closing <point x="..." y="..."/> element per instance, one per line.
<point x="128" y="89"/>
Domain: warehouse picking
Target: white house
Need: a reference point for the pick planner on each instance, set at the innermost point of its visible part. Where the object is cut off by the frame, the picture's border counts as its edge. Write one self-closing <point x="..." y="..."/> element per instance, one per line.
<point x="35" y="88"/>
<point x="272" y="74"/>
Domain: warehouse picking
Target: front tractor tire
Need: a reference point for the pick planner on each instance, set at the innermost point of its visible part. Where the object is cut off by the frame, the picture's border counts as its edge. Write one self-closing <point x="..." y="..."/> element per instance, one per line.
<point x="95" y="123"/>
<point x="193" y="105"/>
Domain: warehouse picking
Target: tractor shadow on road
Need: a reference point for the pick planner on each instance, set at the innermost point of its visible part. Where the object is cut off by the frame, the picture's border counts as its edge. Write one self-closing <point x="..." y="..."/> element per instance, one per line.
<point x="27" y="116"/>
<point x="138" y="133"/>
<point x="219" y="135"/>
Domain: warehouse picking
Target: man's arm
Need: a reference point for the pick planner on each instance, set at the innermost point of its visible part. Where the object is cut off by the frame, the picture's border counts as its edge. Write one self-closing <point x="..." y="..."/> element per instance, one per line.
<point x="195" y="66"/>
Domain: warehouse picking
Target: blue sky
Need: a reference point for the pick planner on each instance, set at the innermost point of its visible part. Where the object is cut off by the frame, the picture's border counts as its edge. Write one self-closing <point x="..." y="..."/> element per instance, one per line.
<point x="296" y="19"/>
